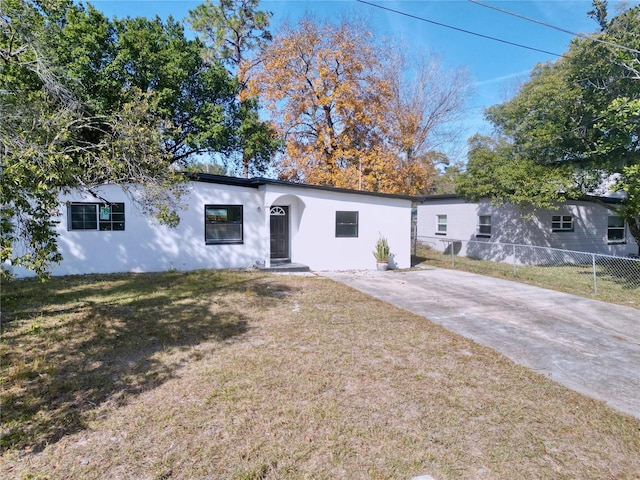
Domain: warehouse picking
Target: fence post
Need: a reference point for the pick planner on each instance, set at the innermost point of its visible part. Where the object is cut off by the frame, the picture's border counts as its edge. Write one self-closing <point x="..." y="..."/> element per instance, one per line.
<point x="453" y="258"/>
<point x="514" y="259"/>
<point x="595" y="283"/>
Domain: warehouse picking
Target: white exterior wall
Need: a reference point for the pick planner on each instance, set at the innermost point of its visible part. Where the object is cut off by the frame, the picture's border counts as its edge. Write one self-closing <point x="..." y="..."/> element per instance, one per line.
<point x="511" y="225"/>
<point x="313" y="227"/>
<point x="146" y="246"/>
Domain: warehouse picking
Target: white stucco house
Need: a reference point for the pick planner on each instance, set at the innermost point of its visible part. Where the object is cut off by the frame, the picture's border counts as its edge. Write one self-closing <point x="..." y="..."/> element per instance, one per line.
<point x="585" y="226"/>
<point x="233" y="223"/>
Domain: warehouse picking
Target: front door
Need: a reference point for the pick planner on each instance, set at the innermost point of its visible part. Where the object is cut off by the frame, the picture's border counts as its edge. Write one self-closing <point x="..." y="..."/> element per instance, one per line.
<point x="280" y="233"/>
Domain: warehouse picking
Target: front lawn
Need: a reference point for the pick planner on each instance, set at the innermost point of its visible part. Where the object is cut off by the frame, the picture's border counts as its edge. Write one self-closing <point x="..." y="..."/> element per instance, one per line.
<point x="247" y="375"/>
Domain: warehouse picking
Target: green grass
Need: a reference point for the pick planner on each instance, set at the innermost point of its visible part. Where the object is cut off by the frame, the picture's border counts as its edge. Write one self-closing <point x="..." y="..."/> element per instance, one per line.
<point x="247" y="375"/>
<point x="621" y="285"/>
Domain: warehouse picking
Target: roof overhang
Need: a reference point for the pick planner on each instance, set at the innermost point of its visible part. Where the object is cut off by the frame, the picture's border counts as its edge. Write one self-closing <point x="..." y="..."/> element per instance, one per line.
<point x="257" y="182"/>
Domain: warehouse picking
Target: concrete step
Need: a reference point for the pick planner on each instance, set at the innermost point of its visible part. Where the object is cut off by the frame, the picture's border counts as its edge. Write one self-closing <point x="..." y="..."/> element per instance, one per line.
<point x="285" y="267"/>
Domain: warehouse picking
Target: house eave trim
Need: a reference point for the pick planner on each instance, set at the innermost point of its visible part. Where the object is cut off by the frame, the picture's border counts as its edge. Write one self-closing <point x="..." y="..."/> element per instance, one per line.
<point x="259" y="181"/>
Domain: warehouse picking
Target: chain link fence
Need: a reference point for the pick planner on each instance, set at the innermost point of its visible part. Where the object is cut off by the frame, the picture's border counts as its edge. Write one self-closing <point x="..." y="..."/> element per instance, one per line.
<point x="604" y="276"/>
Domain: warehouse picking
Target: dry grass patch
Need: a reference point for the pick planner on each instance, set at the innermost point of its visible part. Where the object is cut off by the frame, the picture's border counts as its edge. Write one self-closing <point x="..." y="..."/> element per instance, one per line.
<point x="242" y="375"/>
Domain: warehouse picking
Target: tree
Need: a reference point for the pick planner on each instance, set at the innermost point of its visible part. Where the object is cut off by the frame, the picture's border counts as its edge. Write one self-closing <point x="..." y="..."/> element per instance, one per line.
<point x="426" y="102"/>
<point x="322" y="86"/>
<point x="599" y="13"/>
<point x="351" y="112"/>
<point x="495" y="171"/>
<point x="447" y="178"/>
<point x="193" y="98"/>
<point x="85" y="101"/>
<point x="234" y="32"/>
<point x="572" y="126"/>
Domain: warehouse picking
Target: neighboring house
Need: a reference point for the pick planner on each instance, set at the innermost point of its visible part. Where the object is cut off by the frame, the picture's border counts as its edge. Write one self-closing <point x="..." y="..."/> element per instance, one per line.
<point x="585" y="226"/>
<point x="233" y="223"/>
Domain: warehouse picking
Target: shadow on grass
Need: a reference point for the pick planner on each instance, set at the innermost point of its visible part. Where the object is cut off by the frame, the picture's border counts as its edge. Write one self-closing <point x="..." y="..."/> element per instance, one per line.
<point x="74" y="344"/>
<point x="417" y="260"/>
<point x="623" y="272"/>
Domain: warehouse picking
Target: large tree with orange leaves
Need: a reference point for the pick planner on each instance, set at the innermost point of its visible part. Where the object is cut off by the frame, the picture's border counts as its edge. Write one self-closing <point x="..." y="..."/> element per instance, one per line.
<point x="322" y="84"/>
<point x="346" y="120"/>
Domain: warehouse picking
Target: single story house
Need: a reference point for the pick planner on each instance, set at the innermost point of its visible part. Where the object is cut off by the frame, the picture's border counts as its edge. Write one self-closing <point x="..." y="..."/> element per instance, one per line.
<point x="233" y="223"/>
<point x="584" y="226"/>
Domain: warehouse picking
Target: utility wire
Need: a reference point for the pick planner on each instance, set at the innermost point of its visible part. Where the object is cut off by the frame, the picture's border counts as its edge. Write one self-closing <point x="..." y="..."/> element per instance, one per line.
<point x="459" y="29"/>
<point x="581" y="35"/>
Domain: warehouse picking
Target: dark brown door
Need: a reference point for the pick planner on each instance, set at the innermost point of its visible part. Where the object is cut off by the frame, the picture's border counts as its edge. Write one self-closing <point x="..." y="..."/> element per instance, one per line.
<point x="280" y="233"/>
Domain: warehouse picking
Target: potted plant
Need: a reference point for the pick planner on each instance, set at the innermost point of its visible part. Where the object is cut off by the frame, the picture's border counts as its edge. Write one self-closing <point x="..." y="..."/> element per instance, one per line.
<point x="381" y="253"/>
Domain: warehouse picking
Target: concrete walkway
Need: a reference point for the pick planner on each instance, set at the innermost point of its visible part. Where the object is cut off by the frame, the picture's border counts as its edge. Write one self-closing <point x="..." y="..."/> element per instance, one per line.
<point x="589" y="346"/>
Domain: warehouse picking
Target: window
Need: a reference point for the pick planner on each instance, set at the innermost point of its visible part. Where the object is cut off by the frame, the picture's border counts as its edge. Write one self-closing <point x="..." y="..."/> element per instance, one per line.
<point x="222" y="224"/>
<point x="616" y="229"/>
<point x="441" y="227"/>
<point x="484" y="225"/>
<point x="346" y="224"/>
<point x="562" y="223"/>
<point x="96" y="216"/>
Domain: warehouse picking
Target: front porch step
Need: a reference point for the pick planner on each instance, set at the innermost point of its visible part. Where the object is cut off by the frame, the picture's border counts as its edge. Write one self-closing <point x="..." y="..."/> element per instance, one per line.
<point x="285" y="268"/>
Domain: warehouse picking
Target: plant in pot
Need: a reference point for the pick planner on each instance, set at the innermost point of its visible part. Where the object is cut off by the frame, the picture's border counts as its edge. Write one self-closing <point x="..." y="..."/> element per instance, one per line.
<point x="382" y="253"/>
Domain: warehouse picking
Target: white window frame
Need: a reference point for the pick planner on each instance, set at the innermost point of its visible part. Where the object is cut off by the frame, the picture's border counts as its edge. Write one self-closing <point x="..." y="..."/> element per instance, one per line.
<point x="562" y="223"/>
<point x="486" y="226"/>
<point x="618" y="228"/>
<point x="441" y="224"/>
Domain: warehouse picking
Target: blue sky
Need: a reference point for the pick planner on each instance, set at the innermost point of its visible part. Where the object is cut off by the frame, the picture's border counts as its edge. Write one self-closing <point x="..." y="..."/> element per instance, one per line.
<point x="495" y="68"/>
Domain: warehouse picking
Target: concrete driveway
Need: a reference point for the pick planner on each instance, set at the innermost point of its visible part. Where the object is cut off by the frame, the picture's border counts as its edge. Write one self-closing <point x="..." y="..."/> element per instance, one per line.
<point x="589" y="346"/>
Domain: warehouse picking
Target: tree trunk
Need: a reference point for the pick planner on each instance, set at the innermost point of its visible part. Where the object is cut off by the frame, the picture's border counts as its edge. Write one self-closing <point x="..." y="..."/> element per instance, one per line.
<point x="245" y="164"/>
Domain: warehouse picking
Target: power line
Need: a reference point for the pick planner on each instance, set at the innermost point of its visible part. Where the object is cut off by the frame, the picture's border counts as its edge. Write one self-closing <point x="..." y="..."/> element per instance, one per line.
<point x="459" y="29"/>
<point x="581" y="35"/>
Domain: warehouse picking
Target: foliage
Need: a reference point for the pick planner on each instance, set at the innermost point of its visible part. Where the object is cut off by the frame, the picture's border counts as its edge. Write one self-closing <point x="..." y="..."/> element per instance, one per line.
<point x="351" y="112"/>
<point x="496" y="172"/>
<point x="446" y="180"/>
<point x="234" y="31"/>
<point x="572" y="126"/>
<point x="87" y="101"/>
<point x="194" y="97"/>
<point x="318" y="81"/>
<point x="426" y="101"/>
<point x="206" y="167"/>
<point x="599" y="13"/>
<point x="256" y="140"/>
<point x="381" y="251"/>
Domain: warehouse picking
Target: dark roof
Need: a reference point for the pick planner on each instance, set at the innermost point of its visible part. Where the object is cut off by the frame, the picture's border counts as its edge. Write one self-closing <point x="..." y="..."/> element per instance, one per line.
<point x="256" y="182"/>
<point x="440" y="196"/>
<point x="595" y="198"/>
<point x="585" y="198"/>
